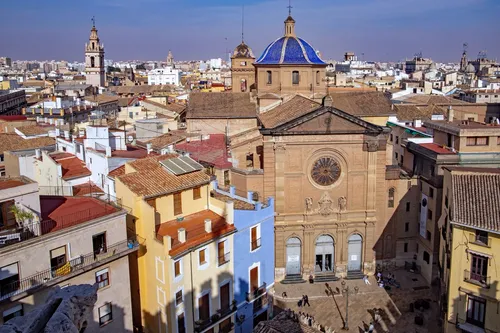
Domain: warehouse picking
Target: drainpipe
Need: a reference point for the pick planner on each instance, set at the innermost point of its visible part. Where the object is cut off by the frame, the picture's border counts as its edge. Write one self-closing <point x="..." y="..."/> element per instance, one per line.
<point x="192" y="289"/>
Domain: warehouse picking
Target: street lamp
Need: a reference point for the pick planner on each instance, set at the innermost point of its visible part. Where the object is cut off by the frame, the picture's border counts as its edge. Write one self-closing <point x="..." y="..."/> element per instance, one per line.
<point x="345" y="292"/>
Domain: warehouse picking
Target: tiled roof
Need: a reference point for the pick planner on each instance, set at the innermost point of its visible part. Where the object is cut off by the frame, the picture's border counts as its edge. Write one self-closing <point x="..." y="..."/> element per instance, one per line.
<point x="476" y="199"/>
<point x="151" y="179"/>
<point x="163" y="141"/>
<point x="6" y="183"/>
<point x="422" y="99"/>
<point x="195" y="230"/>
<point x="410" y="112"/>
<point x="86" y="189"/>
<point x="34" y="130"/>
<point x="212" y="150"/>
<point x="62" y="212"/>
<point x="117" y="172"/>
<point x="287" y="111"/>
<point x="282" y="323"/>
<point x="221" y="105"/>
<point x="143" y="89"/>
<point x="173" y="107"/>
<point x="289" y="50"/>
<point x="373" y="103"/>
<point x="436" y="148"/>
<point x="102" y="98"/>
<point x="13" y="118"/>
<point x="131" y="152"/>
<point x="12" y="141"/>
<point x="72" y="166"/>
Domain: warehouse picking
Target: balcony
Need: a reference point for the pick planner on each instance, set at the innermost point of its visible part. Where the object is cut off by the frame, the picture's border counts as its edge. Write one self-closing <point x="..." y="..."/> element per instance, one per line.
<point x="477" y="279"/>
<point x="224" y="259"/>
<point x="71" y="268"/>
<point x="480" y="239"/>
<point x="255" y="244"/>
<point x="258" y="298"/>
<point x="222" y="317"/>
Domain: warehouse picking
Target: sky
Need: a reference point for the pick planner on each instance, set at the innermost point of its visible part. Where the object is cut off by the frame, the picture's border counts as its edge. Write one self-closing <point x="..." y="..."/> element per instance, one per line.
<point x="382" y="30"/>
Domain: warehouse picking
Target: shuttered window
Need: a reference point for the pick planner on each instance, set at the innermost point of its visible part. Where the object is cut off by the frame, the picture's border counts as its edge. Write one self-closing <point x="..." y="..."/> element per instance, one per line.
<point x="196" y="193"/>
<point x="177" y="268"/>
<point x="202" y="257"/>
<point x="177" y="203"/>
<point x="204" y="307"/>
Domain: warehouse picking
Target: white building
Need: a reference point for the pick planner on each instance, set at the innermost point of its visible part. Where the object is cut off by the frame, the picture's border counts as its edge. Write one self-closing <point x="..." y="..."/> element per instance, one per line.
<point x="167" y="75"/>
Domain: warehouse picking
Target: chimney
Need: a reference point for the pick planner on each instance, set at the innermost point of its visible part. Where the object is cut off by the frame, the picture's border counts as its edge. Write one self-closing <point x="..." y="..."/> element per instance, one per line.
<point x="208" y="226"/>
<point x="38" y="153"/>
<point x="108" y="151"/>
<point x="181" y="235"/>
<point x="451" y="113"/>
<point x="328" y="100"/>
<point x="149" y="148"/>
<point x="417" y="123"/>
<point x="66" y="135"/>
<point x="51" y="121"/>
<point x="58" y="132"/>
<point x="229" y="212"/>
<point x="37" y="119"/>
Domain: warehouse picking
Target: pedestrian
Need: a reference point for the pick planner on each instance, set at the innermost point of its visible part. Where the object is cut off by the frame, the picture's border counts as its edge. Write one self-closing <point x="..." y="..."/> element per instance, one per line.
<point x="365" y="278"/>
<point x="371" y="328"/>
<point x="284" y="295"/>
<point x="306" y="300"/>
<point x="299" y="303"/>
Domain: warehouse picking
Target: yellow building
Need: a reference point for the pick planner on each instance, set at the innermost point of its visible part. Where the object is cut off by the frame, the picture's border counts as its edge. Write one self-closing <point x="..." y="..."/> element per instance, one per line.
<point x="469" y="254"/>
<point x="185" y="277"/>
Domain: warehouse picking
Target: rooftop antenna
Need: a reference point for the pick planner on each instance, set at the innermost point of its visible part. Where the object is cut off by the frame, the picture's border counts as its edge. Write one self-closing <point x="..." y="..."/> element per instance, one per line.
<point x="466" y="46"/>
<point x="289" y="7"/>
<point x="243" y="23"/>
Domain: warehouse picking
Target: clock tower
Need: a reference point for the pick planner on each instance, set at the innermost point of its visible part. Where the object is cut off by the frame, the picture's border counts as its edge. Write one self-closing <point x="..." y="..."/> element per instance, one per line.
<point x="94" y="59"/>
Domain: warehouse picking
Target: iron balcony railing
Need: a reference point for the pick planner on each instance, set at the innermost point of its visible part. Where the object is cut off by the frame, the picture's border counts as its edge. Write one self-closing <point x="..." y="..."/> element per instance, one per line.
<point x="41" y="278"/>
<point x="202" y="325"/>
<point x="224" y="259"/>
<point x="478" y="279"/>
<point x="257" y="293"/>
<point x="480" y="239"/>
<point x="255" y="244"/>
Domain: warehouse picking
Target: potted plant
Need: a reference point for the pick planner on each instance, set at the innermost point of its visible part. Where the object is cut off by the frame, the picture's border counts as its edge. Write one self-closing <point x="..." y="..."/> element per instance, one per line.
<point x="233" y="305"/>
<point x="214" y="318"/>
<point x="21" y="215"/>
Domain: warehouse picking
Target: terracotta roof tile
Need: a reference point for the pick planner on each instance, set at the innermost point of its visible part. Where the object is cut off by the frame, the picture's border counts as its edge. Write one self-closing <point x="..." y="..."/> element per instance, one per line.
<point x="476" y="199"/>
<point x="221" y="105"/>
<point x="12" y="142"/>
<point x="86" y="189"/>
<point x="436" y="148"/>
<point x="163" y="141"/>
<point x="194" y="225"/>
<point x="152" y="179"/>
<point x="6" y="183"/>
<point x="295" y="107"/>
<point x="212" y="150"/>
<point x="72" y="166"/>
<point x="117" y="172"/>
<point x="411" y="112"/>
<point x="34" y="130"/>
<point x="363" y="103"/>
<point x="173" y="107"/>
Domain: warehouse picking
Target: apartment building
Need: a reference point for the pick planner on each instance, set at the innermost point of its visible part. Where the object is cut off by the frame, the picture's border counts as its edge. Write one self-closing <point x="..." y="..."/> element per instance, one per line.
<point x="12" y="103"/>
<point x="57" y="241"/>
<point x="458" y="142"/>
<point x="470" y="244"/>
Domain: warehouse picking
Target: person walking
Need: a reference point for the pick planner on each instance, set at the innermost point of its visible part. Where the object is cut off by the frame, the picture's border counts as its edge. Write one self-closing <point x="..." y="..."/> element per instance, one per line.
<point x="371" y="327"/>
<point x="306" y="300"/>
<point x="365" y="278"/>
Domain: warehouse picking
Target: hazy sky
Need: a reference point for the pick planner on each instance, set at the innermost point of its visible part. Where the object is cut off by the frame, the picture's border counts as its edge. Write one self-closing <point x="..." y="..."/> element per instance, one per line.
<point x="196" y="29"/>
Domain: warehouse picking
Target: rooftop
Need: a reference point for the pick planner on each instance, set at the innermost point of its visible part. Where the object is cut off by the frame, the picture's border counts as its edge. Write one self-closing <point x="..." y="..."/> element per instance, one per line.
<point x="372" y="103"/>
<point x="409" y="112"/>
<point x="212" y="150"/>
<point x="437" y="148"/>
<point x="164" y="140"/>
<point x="72" y="166"/>
<point x="461" y="126"/>
<point x="151" y="179"/>
<point x="295" y="107"/>
<point x="33" y="130"/>
<point x="12" y="141"/>
<point x="221" y="105"/>
<point x="196" y="235"/>
<point x="476" y="198"/>
<point x="12" y="118"/>
<point x="423" y="99"/>
<point x="238" y="204"/>
<point x="86" y="189"/>
<point x="117" y="172"/>
<point x="7" y="183"/>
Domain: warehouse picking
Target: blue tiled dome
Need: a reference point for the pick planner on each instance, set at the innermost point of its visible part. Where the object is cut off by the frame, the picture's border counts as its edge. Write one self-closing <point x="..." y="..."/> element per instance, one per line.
<point x="290" y="50"/>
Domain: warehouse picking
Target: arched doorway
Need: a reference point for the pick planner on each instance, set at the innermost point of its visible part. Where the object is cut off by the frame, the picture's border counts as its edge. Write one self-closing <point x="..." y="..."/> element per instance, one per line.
<point x="354" y="251"/>
<point x="293" y="246"/>
<point x="243" y="85"/>
<point x="324" y="254"/>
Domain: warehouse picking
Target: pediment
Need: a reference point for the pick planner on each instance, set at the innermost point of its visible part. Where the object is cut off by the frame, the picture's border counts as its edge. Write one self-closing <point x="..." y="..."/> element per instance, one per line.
<point x="327" y="120"/>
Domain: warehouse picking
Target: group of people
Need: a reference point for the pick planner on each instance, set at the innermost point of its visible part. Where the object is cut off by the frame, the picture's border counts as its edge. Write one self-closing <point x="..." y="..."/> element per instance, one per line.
<point x="389" y="279"/>
<point x="304" y="301"/>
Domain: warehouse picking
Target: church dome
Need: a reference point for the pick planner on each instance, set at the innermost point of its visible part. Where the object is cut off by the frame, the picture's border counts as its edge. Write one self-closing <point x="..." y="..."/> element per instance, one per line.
<point x="470" y="69"/>
<point x="290" y="50"/>
<point x="243" y="51"/>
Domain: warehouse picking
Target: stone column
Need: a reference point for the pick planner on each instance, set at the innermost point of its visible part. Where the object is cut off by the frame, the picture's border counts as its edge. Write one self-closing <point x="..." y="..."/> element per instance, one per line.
<point x="341" y="248"/>
<point x="269" y="171"/>
<point x="309" y="250"/>
<point x="279" y="251"/>
<point x="372" y="180"/>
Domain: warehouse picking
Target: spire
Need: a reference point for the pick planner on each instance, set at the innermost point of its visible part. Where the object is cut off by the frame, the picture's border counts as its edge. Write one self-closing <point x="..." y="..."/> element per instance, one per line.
<point x="243" y="23"/>
<point x="289" y="22"/>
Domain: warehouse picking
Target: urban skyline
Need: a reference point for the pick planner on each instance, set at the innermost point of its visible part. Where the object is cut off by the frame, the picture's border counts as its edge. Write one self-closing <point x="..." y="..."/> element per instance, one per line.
<point x="197" y="30"/>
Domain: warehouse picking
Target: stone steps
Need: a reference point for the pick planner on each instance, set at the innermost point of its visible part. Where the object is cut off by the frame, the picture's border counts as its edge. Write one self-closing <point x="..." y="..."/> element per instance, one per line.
<point x="293" y="279"/>
<point x="357" y="275"/>
<point x="325" y="277"/>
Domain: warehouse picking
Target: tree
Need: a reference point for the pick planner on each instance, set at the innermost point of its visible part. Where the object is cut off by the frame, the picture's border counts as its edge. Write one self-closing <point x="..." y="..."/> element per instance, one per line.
<point x="141" y="66"/>
<point x="20" y="214"/>
<point x="112" y="69"/>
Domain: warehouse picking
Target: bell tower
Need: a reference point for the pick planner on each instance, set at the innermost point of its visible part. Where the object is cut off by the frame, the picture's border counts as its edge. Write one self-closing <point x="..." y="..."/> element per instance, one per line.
<point x="94" y="59"/>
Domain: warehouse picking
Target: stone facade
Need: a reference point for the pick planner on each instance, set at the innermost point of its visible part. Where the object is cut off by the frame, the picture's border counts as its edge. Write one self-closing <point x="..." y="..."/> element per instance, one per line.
<point x="94" y="60"/>
<point x="242" y="70"/>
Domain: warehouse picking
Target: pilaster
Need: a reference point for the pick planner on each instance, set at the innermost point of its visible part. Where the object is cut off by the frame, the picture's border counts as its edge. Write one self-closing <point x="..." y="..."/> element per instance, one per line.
<point x="279" y="152"/>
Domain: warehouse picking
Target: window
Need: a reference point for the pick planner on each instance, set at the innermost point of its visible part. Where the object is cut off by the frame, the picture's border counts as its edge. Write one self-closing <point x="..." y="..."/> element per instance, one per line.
<point x="431" y="192"/>
<point x="224" y="296"/>
<point x="295" y="77"/>
<point x="401" y="159"/>
<point x="498" y="140"/>
<point x="481" y="237"/>
<point x="477" y="141"/>
<point x="196" y="193"/>
<point x="407" y="206"/>
<point x="204" y="307"/>
<point x="177" y="268"/>
<point x="58" y="257"/>
<point x="102" y="278"/>
<point x="428" y="235"/>
<point x="243" y="63"/>
<point x="223" y="256"/>
<point x="181" y="325"/>
<point x="427" y="257"/>
<point x="476" y="310"/>
<point x="9" y="279"/>
<point x="160" y="269"/>
<point x="78" y="149"/>
<point x="255" y="237"/>
<point x="15" y="311"/>
<point x="406" y="247"/>
<point x="249" y="160"/>
<point x="178" y="298"/>
<point x="202" y="259"/>
<point x="397" y="139"/>
<point x="429" y="214"/>
<point x="269" y="77"/>
<point x="99" y="243"/>
<point x="318" y="77"/>
<point x="396" y="155"/>
<point x="105" y="314"/>
<point x="418" y="247"/>
<point x="390" y="138"/>
<point x="92" y="62"/>
<point x="390" y="200"/>
<point x="479" y="268"/>
<point x="178" y="203"/>
<point x="407" y="226"/>
<point x="432" y="171"/>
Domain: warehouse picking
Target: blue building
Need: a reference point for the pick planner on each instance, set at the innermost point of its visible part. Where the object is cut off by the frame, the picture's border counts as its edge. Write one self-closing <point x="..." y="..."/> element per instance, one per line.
<point x="253" y="259"/>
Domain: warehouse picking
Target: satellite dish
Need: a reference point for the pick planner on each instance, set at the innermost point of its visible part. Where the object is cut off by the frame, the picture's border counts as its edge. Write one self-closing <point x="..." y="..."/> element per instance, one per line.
<point x="130" y="138"/>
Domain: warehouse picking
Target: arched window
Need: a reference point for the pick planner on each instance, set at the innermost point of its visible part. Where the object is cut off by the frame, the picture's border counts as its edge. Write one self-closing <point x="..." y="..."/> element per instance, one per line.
<point x="93" y="45"/>
<point x="269" y="77"/>
<point x="390" y="200"/>
<point x="92" y="62"/>
<point x="317" y="77"/>
<point x="295" y="77"/>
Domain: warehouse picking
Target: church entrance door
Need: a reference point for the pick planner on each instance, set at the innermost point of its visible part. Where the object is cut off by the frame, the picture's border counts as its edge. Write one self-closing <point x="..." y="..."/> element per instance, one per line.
<point x="324" y="254"/>
<point x="354" y="246"/>
<point x="293" y="247"/>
